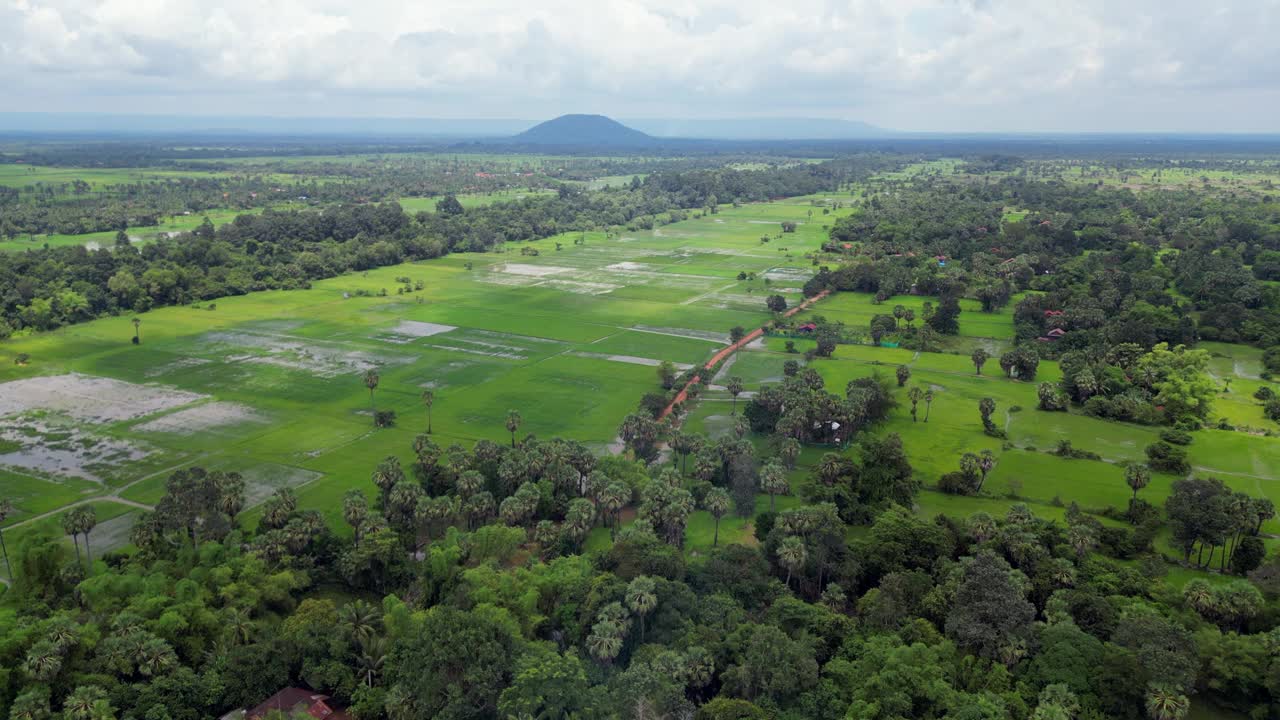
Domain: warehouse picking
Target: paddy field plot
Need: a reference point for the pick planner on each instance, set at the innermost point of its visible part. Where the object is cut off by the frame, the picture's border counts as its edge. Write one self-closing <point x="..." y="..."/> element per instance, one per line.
<point x="270" y="384"/>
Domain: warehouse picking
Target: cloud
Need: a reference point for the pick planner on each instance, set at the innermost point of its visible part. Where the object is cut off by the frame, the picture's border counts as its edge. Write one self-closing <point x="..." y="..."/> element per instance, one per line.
<point x="913" y="64"/>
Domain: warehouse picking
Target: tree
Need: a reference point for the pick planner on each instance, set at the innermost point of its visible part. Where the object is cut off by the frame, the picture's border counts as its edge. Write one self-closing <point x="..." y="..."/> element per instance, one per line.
<point x="735" y="387"/>
<point x="71" y="526"/>
<point x="718" y="503"/>
<point x="1137" y="477"/>
<point x="773" y="482"/>
<point x="513" y="424"/>
<point x="928" y="403"/>
<point x="776" y="303"/>
<point x="548" y="684"/>
<point x="642" y="598"/>
<point x="87" y="702"/>
<point x="945" y="318"/>
<point x="371" y="380"/>
<point x="429" y="399"/>
<point x="986" y="406"/>
<point x="86" y="521"/>
<point x="979" y="358"/>
<point x="454" y="664"/>
<point x="899" y="311"/>
<point x="915" y="394"/>
<point x="6" y="509"/>
<point x="792" y="555"/>
<point x="613" y="498"/>
<point x="667" y="374"/>
<point x="736" y="333"/>
<point x="989" y="613"/>
<point x="1165" y="703"/>
<point x="904" y="374"/>
<point x="137" y="335"/>
<point x="355" y="510"/>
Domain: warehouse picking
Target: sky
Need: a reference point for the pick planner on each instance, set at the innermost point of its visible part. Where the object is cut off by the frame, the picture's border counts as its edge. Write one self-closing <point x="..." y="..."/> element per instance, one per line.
<point x="911" y="65"/>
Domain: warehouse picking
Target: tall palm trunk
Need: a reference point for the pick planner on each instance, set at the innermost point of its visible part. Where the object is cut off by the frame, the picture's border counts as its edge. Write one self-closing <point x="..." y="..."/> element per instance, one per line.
<point x="88" y="555"/>
<point x="76" y="539"/>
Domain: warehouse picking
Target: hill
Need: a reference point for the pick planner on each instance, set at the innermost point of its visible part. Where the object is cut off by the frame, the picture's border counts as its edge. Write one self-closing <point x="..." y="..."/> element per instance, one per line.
<point x="583" y="130"/>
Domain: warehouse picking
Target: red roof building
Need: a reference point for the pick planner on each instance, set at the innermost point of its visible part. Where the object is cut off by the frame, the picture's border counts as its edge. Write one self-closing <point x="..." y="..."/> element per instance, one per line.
<point x="297" y="699"/>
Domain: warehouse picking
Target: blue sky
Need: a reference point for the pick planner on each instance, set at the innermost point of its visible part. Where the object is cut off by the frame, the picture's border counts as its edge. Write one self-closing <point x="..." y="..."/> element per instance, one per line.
<point x="917" y="65"/>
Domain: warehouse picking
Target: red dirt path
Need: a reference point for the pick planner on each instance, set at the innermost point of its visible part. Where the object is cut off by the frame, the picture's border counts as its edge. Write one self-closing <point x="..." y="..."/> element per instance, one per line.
<point x="731" y="349"/>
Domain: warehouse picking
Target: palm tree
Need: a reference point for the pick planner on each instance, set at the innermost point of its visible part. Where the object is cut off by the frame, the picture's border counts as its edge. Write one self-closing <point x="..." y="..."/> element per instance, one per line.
<point x="789" y="451"/>
<point x="71" y="526"/>
<point x="829" y="469"/>
<point x="428" y="399"/>
<point x="137" y="337"/>
<point x="1166" y="703"/>
<point x="773" y="481"/>
<point x="981" y="526"/>
<point x="6" y="509"/>
<point x="238" y="625"/>
<point x="642" y="599"/>
<point x="928" y="403"/>
<point x="792" y="555"/>
<point x="44" y="661"/>
<point x="155" y="657"/>
<point x="373" y="655"/>
<point x="355" y="510"/>
<point x="605" y="641"/>
<point x="86" y="521"/>
<point x="513" y="424"/>
<point x="1137" y="477"/>
<point x="735" y="387"/>
<point x="613" y="498"/>
<point x="360" y="619"/>
<point x="469" y="483"/>
<point x="230" y="493"/>
<point x="914" y="395"/>
<point x="83" y="703"/>
<point x="371" y="380"/>
<point x="909" y="315"/>
<point x="979" y="358"/>
<point x="903" y="373"/>
<point x="717" y="502"/>
<point x="986" y="461"/>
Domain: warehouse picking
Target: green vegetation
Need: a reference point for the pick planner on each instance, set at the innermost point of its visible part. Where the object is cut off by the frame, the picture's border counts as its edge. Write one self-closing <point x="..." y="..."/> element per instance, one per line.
<point x="480" y="455"/>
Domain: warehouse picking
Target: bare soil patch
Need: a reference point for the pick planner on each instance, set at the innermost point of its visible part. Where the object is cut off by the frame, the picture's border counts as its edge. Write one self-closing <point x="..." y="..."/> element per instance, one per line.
<point x="90" y="399"/>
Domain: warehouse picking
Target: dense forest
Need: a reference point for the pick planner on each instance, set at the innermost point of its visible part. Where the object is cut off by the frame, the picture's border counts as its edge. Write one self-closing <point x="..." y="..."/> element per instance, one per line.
<point x="466" y="592"/>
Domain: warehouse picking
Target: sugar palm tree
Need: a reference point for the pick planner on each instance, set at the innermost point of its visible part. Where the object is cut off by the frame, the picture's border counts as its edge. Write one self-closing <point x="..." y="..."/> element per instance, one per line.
<point x="914" y="395"/>
<point x="773" y="481"/>
<point x="355" y="510"/>
<point x="928" y="403"/>
<point x="717" y="503"/>
<point x="71" y="526"/>
<point x="979" y="358"/>
<point x="789" y="452"/>
<point x="605" y="641"/>
<point x="792" y="555"/>
<point x="428" y="399"/>
<point x="981" y="526"/>
<point x="642" y="598"/>
<point x="84" y="703"/>
<point x="371" y="380"/>
<point x="513" y="424"/>
<point x="86" y="521"/>
<point x="6" y="509"/>
<point x="137" y="336"/>
<point x="735" y="388"/>
<point x="1137" y="477"/>
<point x="613" y="498"/>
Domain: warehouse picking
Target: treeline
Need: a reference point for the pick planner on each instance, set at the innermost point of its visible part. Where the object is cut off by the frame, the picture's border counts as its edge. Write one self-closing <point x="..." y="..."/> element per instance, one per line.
<point x="44" y="289"/>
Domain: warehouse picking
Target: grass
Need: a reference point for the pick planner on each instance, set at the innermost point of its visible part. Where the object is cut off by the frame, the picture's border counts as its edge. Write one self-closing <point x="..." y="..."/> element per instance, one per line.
<point x="562" y="337"/>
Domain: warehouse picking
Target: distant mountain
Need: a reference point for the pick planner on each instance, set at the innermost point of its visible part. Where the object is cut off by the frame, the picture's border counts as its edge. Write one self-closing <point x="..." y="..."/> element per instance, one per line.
<point x="759" y="128"/>
<point x="595" y="130"/>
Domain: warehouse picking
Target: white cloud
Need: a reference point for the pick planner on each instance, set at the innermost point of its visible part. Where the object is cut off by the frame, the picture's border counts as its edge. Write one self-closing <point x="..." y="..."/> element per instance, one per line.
<point x="914" y="64"/>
